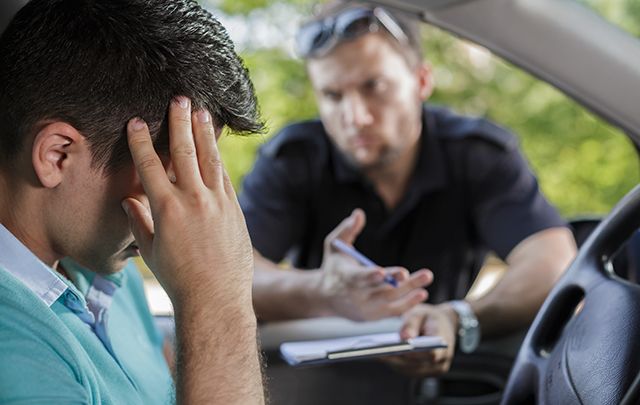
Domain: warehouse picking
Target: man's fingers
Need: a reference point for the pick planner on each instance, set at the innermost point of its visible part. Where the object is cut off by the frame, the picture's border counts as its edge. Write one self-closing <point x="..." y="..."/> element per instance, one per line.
<point x="416" y="281"/>
<point x="181" y="144"/>
<point x="400" y="274"/>
<point x="425" y="320"/>
<point x="421" y="364"/>
<point x="412" y="325"/>
<point x="363" y="277"/>
<point x="351" y="232"/>
<point x="357" y="277"/>
<point x="419" y="279"/>
<point x="430" y="327"/>
<point x="439" y="356"/>
<point x="407" y="302"/>
<point x="141" y="224"/>
<point x="349" y="228"/>
<point x="211" y="166"/>
<point x="376" y="277"/>
<point x="148" y="164"/>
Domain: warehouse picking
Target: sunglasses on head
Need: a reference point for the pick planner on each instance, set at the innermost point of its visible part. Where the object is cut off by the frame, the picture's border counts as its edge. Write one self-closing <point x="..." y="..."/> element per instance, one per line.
<point x="316" y="38"/>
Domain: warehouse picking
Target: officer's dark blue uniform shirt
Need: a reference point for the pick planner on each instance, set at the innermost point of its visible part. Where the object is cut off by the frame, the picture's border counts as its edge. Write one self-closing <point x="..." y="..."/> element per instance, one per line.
<point x="471" y="191"/>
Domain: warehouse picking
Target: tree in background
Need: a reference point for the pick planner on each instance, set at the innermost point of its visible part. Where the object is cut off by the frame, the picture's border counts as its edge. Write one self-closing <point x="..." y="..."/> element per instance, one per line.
<point x="584" y="165"/>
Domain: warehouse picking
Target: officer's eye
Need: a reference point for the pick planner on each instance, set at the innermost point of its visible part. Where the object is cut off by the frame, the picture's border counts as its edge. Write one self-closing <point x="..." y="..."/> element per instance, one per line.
<point x="332" y="95"/>
<point x="373" y="86"/>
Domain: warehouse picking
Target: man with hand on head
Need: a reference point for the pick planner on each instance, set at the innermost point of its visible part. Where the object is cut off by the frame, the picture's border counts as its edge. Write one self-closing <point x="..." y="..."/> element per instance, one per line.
<point x="110" y="107"/>
<point x="437" y="190"/>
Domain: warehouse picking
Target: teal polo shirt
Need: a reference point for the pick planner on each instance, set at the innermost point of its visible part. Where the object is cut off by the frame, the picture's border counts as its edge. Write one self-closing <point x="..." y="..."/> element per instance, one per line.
<point x="68" y="342"/>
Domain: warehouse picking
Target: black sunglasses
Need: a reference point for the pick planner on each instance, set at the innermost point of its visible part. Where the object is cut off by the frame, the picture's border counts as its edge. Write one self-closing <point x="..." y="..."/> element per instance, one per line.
<point x="316" y="38"/>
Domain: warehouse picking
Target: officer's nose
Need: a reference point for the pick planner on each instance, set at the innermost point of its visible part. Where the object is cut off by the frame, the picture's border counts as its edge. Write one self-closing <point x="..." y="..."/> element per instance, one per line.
<point x="356" y="112"/>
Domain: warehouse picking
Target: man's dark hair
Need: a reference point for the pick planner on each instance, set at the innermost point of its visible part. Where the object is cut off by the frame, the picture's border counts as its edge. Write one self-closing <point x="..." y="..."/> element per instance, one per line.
<point x="96" y="64"/>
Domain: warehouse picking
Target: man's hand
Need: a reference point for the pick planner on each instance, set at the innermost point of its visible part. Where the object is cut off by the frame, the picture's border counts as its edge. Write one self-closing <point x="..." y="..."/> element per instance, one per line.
<point x="428" y="320"/>
<point x="194" y="238"/>
<point x="195" y="241"/>
<point x="360" y="293"/>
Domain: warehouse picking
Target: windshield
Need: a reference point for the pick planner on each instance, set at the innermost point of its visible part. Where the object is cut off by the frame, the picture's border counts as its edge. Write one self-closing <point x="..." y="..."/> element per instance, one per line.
<point x="623" y="13"/>
<point x="584" y="165"/>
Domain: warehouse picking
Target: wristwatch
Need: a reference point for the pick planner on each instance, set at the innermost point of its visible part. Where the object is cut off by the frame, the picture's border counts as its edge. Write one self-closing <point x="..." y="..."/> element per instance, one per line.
<point x="468" y="326"/>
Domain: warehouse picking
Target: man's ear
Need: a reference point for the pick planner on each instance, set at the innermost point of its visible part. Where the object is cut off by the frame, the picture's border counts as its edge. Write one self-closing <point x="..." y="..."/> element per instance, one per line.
<point x="54" y="146"/>
<point x="425" y="80"/>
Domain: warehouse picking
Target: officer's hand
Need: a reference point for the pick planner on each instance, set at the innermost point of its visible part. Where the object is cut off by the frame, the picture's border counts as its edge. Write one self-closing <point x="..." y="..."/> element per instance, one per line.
<point x="194" y="237"/>
<point x="427" y="320"/>
<point x="360" y="293"/>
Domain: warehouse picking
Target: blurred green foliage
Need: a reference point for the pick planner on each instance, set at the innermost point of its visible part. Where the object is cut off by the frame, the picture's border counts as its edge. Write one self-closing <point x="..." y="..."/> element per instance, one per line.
<point x="584" y="165"/>
<point x="247" y="6"/>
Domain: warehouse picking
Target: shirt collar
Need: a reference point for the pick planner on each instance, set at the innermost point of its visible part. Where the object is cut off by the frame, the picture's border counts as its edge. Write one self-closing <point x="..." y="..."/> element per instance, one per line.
<point x="430" y="173"/>
<point x="18" y="260"/>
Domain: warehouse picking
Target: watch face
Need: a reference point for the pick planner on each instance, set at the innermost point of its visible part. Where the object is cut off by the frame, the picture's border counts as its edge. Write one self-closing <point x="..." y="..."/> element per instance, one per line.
<point x="469" y="339"/>
<point x="468" y="327"/>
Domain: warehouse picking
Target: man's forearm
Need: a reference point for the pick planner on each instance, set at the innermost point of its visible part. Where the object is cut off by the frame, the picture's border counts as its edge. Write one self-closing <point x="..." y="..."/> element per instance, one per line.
<point x="511" y="305"/>
<point x="534" y="267"/>
<point x="217" y="355"/>
<point x="281" y="294"/>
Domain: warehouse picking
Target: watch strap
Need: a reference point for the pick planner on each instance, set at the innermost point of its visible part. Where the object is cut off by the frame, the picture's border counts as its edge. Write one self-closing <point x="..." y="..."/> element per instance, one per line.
<point x="468" y="326"/>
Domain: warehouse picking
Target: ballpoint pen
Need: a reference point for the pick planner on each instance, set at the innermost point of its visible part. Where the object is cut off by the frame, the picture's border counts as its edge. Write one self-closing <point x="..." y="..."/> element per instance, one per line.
<point x="360" y="258"/>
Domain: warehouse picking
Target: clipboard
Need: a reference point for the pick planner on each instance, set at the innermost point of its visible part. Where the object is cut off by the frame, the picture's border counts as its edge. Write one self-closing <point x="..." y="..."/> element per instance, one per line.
<point x="315" y="352"/>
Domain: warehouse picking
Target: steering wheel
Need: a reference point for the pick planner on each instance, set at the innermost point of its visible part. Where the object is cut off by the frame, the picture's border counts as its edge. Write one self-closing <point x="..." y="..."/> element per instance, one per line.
<point x="584" y="345"/>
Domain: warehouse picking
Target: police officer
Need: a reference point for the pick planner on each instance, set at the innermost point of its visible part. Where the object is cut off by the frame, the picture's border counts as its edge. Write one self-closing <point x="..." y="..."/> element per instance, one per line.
<point x="410" y="185"/>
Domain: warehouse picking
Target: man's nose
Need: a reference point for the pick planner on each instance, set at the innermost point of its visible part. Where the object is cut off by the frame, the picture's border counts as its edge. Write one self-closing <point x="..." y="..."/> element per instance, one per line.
<point x="356" y="112"/>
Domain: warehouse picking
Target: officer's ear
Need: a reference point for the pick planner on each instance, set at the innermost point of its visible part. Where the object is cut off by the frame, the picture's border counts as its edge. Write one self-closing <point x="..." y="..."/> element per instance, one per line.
<point x="424" y="74"/>
<point x="57" y="148"/>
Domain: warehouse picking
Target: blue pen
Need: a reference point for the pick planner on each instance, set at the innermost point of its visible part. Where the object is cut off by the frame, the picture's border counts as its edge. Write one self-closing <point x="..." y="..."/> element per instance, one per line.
<point x="362" y="259"/>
